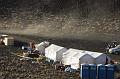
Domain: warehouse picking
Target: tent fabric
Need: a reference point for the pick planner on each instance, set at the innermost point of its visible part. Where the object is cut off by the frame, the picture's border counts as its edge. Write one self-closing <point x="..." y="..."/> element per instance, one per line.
<point x="66" y="59"/>
<point x="55" y="52"/>
<point x="100" y="58"/>
<point x="81" y="58"/>
<point x="41" y="47"/>
<point x="44" y="44"/>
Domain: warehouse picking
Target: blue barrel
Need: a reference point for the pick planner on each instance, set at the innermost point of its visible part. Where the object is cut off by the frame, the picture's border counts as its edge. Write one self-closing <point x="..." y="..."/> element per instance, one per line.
<point x="84" y="72"/>
<point x="93" y="71"/>
<point x="110" y="71"/>
<point x="101" y="72"/>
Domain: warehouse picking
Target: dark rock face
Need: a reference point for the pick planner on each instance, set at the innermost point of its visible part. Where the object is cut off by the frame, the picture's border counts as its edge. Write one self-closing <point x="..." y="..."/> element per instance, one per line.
<point x="66" y="16"/>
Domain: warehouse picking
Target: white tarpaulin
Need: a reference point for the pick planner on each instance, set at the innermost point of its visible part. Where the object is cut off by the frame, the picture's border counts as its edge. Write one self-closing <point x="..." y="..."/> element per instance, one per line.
<point x="100" y="58"/>
<point x="55" y="52"/>
<point x="66" y="60"/>
<point x="81" y="58"/>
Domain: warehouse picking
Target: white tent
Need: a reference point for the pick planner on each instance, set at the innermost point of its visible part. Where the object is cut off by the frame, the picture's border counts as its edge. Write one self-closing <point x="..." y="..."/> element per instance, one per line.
<point x="66" y="60"/>
<point x="55" y="52"/>
<point x="100" y="58"/>
<point x="81" y="58"/>
<point x="41" y="47"/>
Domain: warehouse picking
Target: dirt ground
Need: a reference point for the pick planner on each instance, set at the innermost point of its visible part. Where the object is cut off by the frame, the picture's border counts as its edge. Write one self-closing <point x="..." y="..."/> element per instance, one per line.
<point x="11" y="67"/>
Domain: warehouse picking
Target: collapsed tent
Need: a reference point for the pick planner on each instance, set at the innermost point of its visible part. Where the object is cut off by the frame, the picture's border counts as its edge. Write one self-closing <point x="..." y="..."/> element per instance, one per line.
<point x="66" y="59"/>
<point x="81" y="58"/>
<point x="55" y="52"/>
<point x="100" y="58"/>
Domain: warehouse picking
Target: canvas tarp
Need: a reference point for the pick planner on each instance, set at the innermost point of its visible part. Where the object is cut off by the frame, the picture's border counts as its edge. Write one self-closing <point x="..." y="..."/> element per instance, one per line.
<point x="55" y="52"/>
<point x="66" y="60"/>
<point x="100" y="58"/>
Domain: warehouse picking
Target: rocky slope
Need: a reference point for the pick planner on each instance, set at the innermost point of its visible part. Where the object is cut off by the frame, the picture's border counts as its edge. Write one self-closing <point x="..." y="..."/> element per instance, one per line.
<point x="59" y="16"/>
